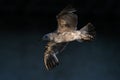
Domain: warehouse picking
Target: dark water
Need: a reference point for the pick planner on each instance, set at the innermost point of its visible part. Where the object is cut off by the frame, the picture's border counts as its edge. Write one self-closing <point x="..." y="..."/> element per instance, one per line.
<point x="21" y="58"/>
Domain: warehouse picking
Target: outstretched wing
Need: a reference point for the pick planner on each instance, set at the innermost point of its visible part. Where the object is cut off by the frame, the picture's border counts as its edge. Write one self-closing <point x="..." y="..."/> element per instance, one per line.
<point x="50" y="59"/>
<point x="67" y="20"/>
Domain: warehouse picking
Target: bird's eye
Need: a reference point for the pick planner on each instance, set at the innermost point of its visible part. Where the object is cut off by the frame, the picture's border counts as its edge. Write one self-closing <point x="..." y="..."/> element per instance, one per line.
<point x="45" y="37"/>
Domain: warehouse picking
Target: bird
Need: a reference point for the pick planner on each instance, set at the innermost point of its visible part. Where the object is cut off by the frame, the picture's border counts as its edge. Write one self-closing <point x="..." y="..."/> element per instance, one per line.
<point x="65" y="33"/>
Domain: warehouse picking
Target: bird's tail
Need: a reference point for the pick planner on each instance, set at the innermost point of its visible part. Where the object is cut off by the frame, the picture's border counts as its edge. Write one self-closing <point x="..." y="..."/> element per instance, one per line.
<point x="87" y="32"/>
<point x="50" y="61"/>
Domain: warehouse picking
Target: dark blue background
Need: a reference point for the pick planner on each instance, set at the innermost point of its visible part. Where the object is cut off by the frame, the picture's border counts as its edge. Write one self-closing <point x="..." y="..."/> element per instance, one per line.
<point x="24" y="22"/>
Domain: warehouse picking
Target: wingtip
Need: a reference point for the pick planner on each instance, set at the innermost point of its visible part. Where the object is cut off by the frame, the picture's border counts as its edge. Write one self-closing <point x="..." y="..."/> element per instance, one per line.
<point x="51" y="68"/>
<point x="68" y="9"/>
<point x="51" y="61"/>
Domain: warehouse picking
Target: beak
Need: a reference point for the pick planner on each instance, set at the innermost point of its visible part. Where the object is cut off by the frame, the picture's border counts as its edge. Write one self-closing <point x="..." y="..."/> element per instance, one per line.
<point x="40" y="40"/>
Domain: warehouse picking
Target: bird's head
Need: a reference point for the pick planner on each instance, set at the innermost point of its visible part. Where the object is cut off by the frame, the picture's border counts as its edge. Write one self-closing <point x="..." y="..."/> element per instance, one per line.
<point x="47" y="37"/>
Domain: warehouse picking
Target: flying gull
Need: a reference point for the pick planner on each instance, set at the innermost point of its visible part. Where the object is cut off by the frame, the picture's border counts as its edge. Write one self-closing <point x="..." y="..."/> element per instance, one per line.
<point x="65" y="33"/>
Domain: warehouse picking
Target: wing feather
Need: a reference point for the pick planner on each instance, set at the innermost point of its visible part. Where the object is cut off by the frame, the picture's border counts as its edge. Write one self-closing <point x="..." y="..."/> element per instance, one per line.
<point x="50" y="59"/>
<point x="67" y="20"/>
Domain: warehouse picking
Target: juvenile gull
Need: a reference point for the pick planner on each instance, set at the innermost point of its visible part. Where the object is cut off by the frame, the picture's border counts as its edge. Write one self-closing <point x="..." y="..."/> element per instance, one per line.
<point x="65" y="33"/>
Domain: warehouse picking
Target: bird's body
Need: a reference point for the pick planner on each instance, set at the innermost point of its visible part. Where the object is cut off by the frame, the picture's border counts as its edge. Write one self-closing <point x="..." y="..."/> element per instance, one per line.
<point x="65" y="33"/>
<point x="67" y="36"/>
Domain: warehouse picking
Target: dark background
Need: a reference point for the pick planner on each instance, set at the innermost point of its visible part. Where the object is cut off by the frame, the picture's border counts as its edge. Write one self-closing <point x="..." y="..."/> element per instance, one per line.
<point x="24" y="22"/>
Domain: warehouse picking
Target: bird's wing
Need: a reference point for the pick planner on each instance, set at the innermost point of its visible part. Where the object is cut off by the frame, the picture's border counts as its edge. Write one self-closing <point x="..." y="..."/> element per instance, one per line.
<point x="50" y="59"/>
<point x="67" y="20"/>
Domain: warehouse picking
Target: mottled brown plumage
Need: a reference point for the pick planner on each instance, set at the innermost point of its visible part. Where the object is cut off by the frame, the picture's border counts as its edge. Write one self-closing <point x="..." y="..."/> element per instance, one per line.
<point x="66" y="32"/>
<point x="51" y="50"/>
<point x="67" y="21"/>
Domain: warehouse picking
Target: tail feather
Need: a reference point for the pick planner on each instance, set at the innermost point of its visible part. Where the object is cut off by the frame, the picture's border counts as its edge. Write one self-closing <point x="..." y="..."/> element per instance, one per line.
<point x="50" y="61"/>
<point x="88" y="32"/>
